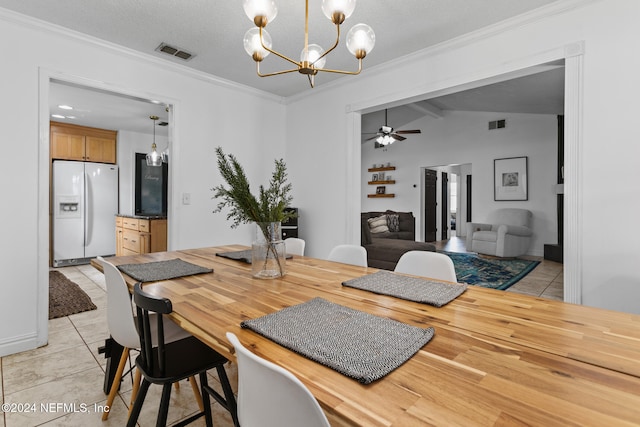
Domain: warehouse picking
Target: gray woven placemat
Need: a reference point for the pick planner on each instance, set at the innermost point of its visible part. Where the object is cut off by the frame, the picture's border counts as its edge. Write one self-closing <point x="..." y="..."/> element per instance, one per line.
<point x="409" y="288"/>
<point x="244" y="256"/>
<point x="162" y="270"/>
<point x="357" y="344"/>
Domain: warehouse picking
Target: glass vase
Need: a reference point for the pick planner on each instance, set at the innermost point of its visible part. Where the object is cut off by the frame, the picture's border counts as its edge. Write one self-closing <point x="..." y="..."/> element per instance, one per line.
<point x="268" y="251"/>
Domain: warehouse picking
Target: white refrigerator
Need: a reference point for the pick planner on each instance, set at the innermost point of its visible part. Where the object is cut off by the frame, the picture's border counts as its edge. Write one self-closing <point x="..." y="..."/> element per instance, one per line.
<point x="85" y="202"/>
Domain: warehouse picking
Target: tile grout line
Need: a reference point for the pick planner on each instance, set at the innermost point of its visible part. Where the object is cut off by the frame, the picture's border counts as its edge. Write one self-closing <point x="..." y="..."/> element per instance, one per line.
<point x="4" y="414"/>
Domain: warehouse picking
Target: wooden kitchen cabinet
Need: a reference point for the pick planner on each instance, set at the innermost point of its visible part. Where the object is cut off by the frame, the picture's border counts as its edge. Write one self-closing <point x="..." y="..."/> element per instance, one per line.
<point x="73" y="142"/>
<point x="140" y="235"/>
<point x="100" y="150"/>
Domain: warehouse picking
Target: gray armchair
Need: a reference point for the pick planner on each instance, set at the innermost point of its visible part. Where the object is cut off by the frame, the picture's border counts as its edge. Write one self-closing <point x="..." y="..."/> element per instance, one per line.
<point x="507" y="233"/>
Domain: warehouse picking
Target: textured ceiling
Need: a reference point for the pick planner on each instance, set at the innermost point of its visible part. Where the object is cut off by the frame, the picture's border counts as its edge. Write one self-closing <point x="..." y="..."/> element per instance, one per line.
<point x="213" y="30"/>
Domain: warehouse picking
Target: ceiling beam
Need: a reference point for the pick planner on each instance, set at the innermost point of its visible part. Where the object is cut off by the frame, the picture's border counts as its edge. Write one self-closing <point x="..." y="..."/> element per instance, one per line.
<point x="427" y="108"/>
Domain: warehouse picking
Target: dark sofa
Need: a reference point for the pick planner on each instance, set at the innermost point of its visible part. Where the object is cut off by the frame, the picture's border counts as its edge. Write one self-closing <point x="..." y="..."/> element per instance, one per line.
<point x="385" y="249"/>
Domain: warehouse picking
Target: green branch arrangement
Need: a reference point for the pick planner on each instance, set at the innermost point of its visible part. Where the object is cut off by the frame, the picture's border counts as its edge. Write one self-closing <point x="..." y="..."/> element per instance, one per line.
<point x="243" y="206"/>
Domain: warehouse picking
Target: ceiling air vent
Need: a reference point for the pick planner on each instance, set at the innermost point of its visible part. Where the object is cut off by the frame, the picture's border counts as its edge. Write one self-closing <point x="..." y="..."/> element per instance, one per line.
<point x="174" y="51"/>
<point x="497" y="124"/>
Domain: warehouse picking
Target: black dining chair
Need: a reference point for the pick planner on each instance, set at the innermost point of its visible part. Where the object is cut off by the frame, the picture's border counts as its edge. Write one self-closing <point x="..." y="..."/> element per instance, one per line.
<point x="165" y="363"/>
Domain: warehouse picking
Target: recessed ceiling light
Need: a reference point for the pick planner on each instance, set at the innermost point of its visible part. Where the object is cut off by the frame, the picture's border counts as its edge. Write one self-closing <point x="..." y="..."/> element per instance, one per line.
<point x="65" y="107"/>
<point x="57" y="116"/>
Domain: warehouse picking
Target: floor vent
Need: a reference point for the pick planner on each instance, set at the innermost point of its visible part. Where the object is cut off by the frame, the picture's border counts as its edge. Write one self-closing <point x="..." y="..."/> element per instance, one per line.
<point x="173" y="51"/>
<point x="497" y="124"/>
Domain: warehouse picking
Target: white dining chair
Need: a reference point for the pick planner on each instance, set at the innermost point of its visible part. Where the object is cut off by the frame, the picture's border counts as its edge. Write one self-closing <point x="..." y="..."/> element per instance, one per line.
<point x="122" y="327"/>
<point x="349" y="254"/>
<point x="294" y="246"/>
<point x="271" y="396"/>
<point x="427" y="264"/>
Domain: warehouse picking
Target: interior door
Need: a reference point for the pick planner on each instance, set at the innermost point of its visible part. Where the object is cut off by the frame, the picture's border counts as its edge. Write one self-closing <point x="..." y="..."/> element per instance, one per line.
<point x="430" y="205"/>
<point x="469" y="198"/>
<point x="444" y="207"/>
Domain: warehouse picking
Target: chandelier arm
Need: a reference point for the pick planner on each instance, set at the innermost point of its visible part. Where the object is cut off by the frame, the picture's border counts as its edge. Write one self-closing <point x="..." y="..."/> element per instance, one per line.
<point x="311" y="80"/>
<point x="277" y="53"/>
<point x="353" y="73"/>
<point x="332" y="47"/>
<point x="273" y="74"/>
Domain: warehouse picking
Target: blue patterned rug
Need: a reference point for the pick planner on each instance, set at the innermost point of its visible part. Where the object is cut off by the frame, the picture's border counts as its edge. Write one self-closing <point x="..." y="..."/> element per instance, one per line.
<point x="491" y="273"/>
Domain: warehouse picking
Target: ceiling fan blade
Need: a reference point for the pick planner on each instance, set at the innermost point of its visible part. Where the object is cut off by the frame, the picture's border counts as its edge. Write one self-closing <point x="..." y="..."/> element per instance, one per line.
<point x="409" y="131"/>
<point x="373" y="137"/>
<point x="398" y="137"/>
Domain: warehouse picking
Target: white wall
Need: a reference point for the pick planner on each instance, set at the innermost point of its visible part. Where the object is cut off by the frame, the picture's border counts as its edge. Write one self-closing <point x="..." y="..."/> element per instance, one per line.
<point x="606" y="258"/>
<point x="208" y="112"/>
<point x="463" y="137"/>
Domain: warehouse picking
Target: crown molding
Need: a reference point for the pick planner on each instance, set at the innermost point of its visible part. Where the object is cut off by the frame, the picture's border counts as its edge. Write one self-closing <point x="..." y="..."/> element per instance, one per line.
<point x="527" y="18"/>
<point x="47" y="27"/>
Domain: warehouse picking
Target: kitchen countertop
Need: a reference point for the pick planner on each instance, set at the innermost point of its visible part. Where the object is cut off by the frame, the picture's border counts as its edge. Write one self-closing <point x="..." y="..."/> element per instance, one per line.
<point x="143" y="216"/>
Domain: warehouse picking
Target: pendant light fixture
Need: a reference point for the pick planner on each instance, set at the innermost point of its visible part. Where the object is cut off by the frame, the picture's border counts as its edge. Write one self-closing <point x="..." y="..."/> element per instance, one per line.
<point x="257" y="41"/>
<point x="154" y="158"/>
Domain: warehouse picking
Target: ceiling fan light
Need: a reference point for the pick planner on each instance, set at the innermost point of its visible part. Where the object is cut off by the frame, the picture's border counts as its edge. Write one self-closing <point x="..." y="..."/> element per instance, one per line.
<point x="260" y="8"/>
<point x="253" y="46"/>
<point x="311" y="55"/>
<point x="360" y="40"/>
<point x="385" y="139"/>
<point x="342" y="8"/>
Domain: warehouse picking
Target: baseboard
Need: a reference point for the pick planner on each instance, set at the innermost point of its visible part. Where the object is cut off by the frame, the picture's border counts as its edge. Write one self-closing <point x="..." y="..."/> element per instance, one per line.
<point x="539" y="253"/>
<point x="18" y="344"/>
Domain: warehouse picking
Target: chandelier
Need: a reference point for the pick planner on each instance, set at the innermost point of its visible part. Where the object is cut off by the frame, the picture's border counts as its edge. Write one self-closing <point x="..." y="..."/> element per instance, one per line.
<point x="257" y="41"/>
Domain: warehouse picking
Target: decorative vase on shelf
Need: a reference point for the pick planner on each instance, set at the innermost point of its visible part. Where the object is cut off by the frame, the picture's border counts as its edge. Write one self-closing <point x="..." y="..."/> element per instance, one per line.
<point x="268" y="251"/>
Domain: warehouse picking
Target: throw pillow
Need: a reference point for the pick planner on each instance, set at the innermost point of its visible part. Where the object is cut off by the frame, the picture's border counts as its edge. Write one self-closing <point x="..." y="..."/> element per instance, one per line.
<point x="393" y="222"/>
<point x="378" y="224"/>
<point x="365" y="238"/>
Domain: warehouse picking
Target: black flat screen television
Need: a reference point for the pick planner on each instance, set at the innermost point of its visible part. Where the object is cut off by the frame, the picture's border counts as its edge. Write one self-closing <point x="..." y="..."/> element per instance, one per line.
<point x="151" y="188"/>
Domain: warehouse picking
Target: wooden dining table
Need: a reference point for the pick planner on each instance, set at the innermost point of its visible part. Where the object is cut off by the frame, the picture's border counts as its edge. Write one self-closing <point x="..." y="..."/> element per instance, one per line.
<point x="496" y="359"/>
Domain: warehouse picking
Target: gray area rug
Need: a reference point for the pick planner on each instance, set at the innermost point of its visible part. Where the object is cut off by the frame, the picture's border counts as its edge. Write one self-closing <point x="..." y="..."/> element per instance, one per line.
<point x="356" y="344"/>
<point x="66" y="297"/>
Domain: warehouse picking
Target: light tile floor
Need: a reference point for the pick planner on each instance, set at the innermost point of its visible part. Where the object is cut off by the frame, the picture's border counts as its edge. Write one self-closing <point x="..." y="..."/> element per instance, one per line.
<point x="69" y="371"/>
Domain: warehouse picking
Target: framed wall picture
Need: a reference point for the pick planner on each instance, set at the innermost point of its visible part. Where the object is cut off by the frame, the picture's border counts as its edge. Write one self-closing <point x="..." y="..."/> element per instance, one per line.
<point x="510" y="179"/>
<point x="374" y="177"/>
<point x="380" y="176"/>
<point x="380" y="189"/>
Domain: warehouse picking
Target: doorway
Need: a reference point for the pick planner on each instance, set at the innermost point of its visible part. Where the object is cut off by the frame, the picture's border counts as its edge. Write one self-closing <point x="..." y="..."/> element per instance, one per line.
<point x="45" y="80"/>
<point x="571" y="55"/>
<point x="443" y="188"/>
<point x="127" y="120"/>
<point x="430" y="205"/>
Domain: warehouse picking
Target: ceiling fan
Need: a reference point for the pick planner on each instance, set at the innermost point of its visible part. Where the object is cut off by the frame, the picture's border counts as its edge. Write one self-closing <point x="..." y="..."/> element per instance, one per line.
<point x="386" y="135"/>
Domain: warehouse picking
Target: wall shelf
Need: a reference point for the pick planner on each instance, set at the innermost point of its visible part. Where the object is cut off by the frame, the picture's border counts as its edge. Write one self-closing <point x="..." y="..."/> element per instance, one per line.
<point x="381" y="190"/>
<point x="386" y="168"/>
